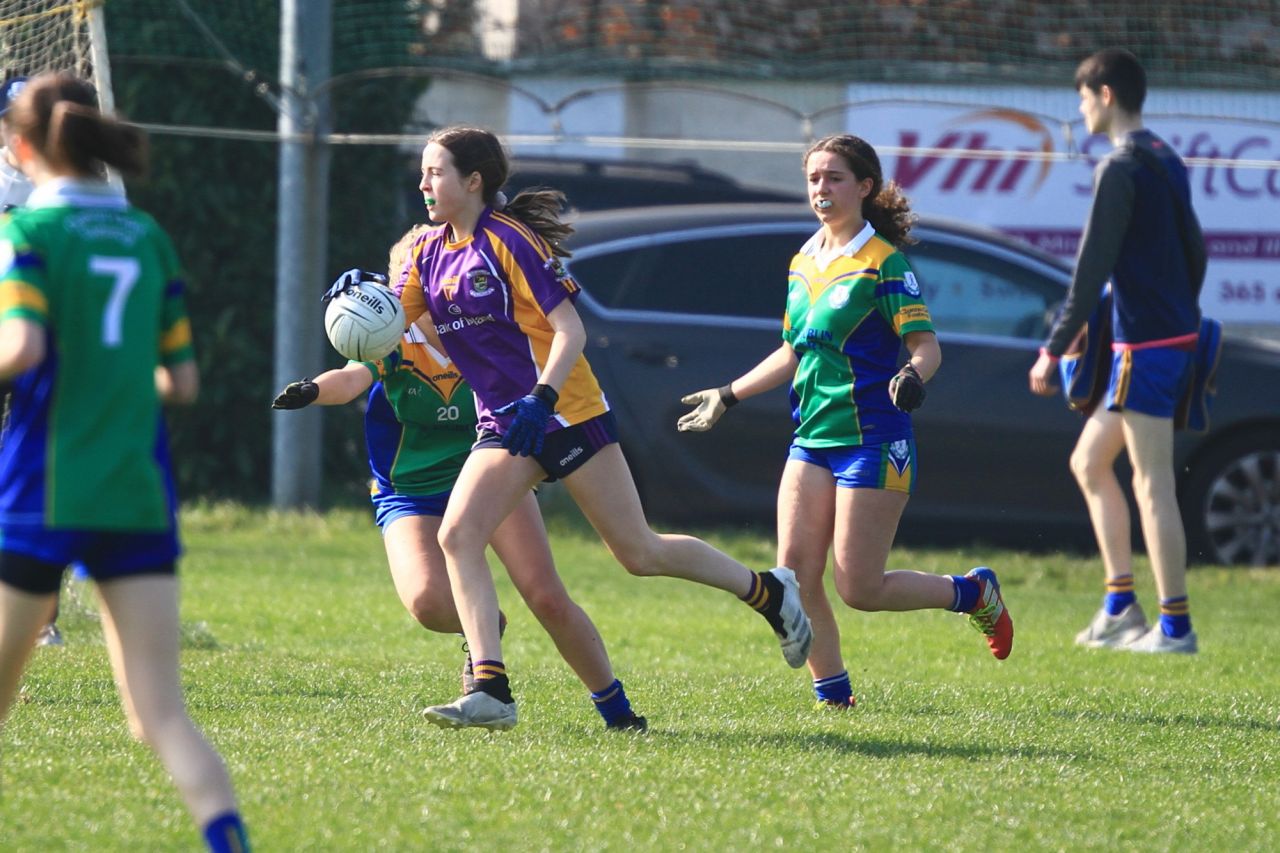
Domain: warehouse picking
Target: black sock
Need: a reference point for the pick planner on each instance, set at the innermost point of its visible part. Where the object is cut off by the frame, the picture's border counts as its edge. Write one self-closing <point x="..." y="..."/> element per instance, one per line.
<point x="491" y="678"/>
<point x="765" y="597"/>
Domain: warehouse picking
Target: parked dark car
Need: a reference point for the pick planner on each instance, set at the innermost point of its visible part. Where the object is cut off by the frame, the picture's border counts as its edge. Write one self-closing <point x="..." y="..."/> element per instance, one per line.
<point x="687" y="297"/>
<point x="603" y="184"/>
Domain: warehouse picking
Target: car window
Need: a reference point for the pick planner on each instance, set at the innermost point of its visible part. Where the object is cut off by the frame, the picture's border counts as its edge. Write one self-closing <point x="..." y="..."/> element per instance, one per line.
<point x="738" y="275"/>
<point x="978" y="294"/>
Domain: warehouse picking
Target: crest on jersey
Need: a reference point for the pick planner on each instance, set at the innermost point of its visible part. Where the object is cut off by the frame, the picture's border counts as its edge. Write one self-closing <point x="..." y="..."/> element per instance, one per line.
<point x="840" y="296"/>
<point x="479" y="283"/>
<point x="900" y="455"/>
<point x="910" y="285"/>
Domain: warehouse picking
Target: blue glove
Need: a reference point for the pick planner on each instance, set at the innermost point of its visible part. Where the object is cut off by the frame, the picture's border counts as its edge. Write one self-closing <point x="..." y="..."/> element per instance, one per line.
<point x="529" y="426"/>
<point x="350" y="279"/>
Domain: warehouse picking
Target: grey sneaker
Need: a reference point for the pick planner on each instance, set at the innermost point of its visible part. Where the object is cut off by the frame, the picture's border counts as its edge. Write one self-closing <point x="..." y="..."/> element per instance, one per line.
<point x="1106" y="631"/>
<point x="475" y="710"/>
<point x="1156" y="641"/>
<point x="793" y="630"/>
<point x="49" y="636"/>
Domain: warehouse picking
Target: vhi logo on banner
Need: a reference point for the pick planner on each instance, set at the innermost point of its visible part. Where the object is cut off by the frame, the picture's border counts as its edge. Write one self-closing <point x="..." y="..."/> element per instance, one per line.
<point x="1016" y="177"/>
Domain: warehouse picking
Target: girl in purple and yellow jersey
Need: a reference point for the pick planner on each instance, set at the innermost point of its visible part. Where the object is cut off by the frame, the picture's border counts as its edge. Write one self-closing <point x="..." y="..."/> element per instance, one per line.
<point x="419" y="427"/>
<point x="94" y="337"/>
<point x="490" y="282"/>
<point x="852" y="302"/>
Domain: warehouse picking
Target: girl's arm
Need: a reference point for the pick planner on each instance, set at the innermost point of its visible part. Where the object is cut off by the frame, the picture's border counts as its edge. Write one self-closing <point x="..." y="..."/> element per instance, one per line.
<point x="774" y="369"/>
<point x="906" y="388"/>
<point x="926" y="355"/>
<point x="178" y="384"/>
<point x="21" y="346"/>
<point x="331" y="388"/>
<point x="567" y="344"/>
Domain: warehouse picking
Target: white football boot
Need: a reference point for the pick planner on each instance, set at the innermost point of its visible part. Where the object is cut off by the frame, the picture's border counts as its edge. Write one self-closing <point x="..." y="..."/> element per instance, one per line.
<point x="475" y="710"/>
<point x="1156" y="641"/>
<point x="793" y="630"/>
<point x="1113" y="632"/>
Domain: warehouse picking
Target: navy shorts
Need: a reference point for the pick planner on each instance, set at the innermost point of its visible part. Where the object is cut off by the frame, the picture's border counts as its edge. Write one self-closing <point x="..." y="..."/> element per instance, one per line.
<point x="890" y="466"/>
<point x="32" y="559"/>
<point x="567" y="449"/>
<point x="1150" y="381"/>
<point x="388" y="506"/>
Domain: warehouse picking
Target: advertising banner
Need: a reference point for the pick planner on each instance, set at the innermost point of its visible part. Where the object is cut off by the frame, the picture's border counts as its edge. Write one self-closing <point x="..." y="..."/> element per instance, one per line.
<point x="1031" y="176"/>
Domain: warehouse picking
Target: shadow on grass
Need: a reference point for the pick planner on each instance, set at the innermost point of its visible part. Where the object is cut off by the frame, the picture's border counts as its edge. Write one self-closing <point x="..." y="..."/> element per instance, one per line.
<point x="1165" y="721"/>
<point x="829" y="742"/>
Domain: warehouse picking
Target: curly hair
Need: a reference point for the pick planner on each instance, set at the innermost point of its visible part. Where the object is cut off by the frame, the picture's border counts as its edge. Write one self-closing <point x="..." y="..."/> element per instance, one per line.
<point x="885" y="207"/>
<point x="475" y="149"/>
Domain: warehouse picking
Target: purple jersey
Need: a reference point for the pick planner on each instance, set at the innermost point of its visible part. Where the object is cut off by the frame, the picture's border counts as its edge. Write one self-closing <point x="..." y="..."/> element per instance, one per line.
<point x="488" y="297"/>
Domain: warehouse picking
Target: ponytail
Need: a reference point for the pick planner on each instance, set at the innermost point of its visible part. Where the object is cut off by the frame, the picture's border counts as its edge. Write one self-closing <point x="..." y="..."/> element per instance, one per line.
<point x="83" y="138"/>
<point x="539" y="208"/>
<point x="58" y="114"/>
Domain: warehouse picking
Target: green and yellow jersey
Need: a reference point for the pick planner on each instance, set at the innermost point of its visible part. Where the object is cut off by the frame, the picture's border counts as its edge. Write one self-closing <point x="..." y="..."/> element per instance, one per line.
<point x="845" y="319"/>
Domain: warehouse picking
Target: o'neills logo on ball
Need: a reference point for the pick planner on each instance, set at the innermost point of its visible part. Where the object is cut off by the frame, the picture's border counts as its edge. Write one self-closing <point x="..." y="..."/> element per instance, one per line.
<point x="368" y="299"/>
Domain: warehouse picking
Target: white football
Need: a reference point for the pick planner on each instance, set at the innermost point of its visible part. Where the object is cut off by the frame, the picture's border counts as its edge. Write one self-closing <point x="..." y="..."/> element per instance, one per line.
<point x="365" y="322"/>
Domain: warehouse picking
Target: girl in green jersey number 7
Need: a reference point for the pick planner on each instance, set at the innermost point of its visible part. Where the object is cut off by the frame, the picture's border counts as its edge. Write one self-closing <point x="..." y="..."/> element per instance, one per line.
<point x="94" y="337"/>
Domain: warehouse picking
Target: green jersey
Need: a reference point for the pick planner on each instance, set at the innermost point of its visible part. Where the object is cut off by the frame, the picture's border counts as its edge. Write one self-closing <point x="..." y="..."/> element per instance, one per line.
<point x="84" y="446"/>
<point x="845" y="319"/>
<point x="421" y="420"/>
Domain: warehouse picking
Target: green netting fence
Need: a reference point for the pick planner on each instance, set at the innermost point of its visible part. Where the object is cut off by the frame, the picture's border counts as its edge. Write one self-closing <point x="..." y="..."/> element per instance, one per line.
<point x="1228" y="43"/>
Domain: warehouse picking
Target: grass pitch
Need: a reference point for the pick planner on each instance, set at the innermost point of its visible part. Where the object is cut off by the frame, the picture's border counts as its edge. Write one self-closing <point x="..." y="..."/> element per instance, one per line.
<point x="305" y="672"/>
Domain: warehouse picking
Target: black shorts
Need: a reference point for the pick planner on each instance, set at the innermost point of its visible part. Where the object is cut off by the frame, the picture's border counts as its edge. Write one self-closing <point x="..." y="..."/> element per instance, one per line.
<point x="41" y="577"/>
<point x="568" y="449"/>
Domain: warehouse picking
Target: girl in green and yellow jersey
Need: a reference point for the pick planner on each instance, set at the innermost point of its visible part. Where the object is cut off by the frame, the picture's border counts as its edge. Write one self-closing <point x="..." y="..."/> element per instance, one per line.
<point x="852" y="303"/>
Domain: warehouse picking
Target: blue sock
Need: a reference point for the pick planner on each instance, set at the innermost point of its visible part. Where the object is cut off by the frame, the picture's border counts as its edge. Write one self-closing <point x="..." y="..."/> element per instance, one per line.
<point x="1175" y="616"/>
<point x="612" y="703"/>
<point x="1119" y="594"/>
<point x="833" y="689"/>
<point x="967" y="591"/>
<point x="225" y="834"/>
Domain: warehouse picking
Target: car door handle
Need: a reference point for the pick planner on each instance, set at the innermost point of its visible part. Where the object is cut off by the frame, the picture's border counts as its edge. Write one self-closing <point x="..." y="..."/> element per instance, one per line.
<point x="655" y="355"/>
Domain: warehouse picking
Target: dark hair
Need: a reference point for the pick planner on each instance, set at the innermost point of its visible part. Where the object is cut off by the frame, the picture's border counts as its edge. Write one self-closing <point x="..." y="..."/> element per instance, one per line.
<point x="1119" y="69"/>
<point x="885" y="207"/>
<point x="475" y="149"/>
<point x="58" y="114"/>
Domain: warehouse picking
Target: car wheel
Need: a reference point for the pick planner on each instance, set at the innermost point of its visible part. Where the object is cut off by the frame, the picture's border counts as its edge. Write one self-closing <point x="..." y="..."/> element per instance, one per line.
<point x="1231" y="502"/>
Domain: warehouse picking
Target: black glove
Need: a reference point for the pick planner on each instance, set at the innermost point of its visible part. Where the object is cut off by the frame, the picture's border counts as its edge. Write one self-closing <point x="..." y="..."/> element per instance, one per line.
<point x="529" y="426"/>
<point x="906" y="388"/>
<point x="296" y="395"/>
<point x="350" y="279"/>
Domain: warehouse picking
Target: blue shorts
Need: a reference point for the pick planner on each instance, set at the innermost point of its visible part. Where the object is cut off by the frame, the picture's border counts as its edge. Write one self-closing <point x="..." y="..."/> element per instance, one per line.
<point x="1149" y="381"/>
<point x="567" y="449"/>
<point x="388" y="506"/>
<point x="890" y="466"/>
<point x="105" y="555"/>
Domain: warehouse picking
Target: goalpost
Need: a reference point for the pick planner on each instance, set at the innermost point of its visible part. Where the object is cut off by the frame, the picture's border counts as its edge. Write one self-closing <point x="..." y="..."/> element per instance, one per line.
<point x="56" y="35"/>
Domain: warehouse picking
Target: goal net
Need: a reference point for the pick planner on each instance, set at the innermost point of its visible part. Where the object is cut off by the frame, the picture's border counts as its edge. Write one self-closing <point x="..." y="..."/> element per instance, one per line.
<point x="46" y="35"/>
